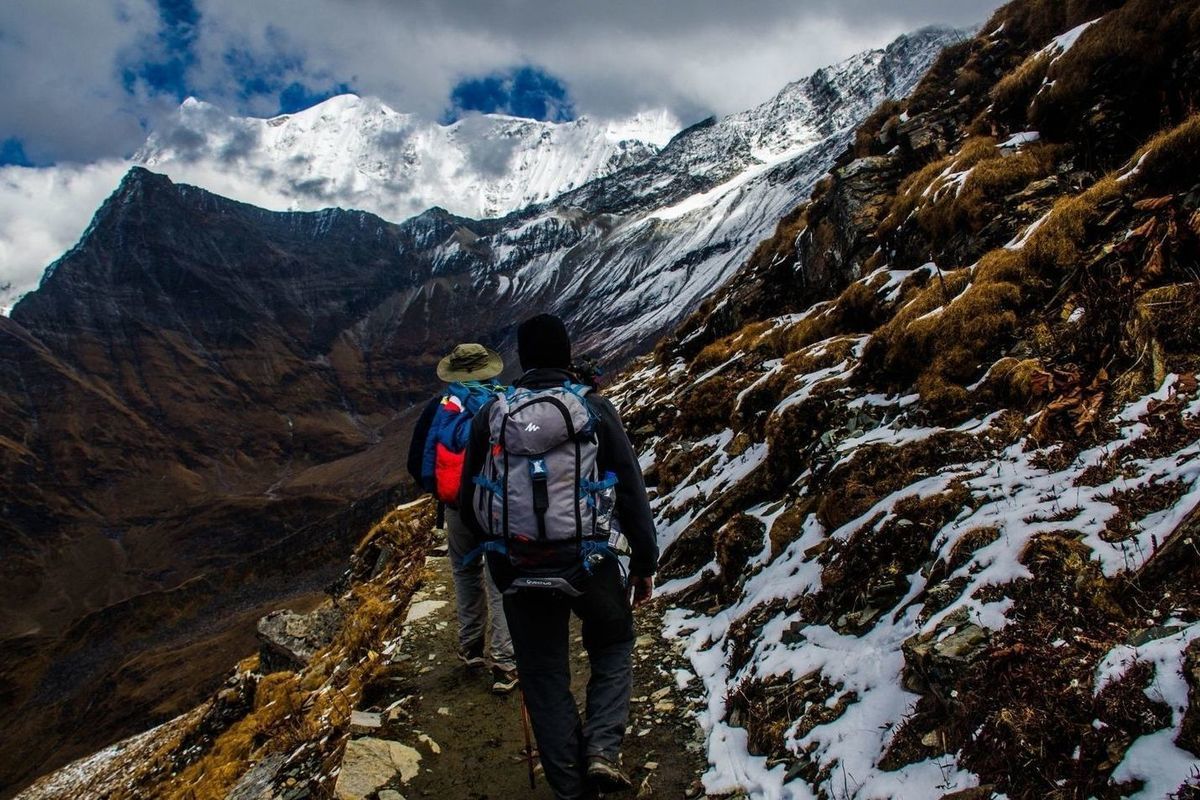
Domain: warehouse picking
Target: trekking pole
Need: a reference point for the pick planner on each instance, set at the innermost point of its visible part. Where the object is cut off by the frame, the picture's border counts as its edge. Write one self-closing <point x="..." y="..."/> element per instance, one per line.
<point x="528" y="740"/>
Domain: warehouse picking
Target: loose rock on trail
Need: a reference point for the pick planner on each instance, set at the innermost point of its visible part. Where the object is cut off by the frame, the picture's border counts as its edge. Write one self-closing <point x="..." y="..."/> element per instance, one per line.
<point x="432" y="728"/>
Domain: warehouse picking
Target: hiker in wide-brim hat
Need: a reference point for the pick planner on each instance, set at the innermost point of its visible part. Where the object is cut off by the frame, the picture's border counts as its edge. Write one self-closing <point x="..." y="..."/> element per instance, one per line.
<point x="435" y="460"/>
<point x="470" y="362"/>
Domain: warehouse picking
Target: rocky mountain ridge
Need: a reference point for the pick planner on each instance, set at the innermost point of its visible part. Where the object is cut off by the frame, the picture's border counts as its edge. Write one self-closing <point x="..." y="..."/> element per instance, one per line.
<point x="200" y="382"/>
<point x="926" y="469"/>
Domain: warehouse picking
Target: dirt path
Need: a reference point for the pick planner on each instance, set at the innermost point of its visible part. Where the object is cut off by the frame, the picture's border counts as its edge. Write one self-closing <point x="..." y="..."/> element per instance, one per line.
<point x="470" y="741"/>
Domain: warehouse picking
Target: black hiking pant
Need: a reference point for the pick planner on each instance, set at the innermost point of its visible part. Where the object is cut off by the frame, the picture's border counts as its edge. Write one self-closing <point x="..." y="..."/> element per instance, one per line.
<point x="539" y="621"/>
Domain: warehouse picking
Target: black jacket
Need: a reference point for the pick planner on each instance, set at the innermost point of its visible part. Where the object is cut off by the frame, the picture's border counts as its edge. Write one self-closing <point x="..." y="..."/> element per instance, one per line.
<point x="613" y="453"/>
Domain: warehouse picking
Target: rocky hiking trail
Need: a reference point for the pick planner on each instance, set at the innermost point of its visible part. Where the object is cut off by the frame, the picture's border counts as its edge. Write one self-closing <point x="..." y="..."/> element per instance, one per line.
<point x="433" y="728"/>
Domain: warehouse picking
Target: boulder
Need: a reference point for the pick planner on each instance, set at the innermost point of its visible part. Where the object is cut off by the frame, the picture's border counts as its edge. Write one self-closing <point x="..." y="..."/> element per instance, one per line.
<point x="937" y="660"/>
<point x="365" y="722"/>
<point x="258" y="782"/>
<point x="370" y="763"/>
<point x="288" y="640"/>
<point x="834" y="249"/>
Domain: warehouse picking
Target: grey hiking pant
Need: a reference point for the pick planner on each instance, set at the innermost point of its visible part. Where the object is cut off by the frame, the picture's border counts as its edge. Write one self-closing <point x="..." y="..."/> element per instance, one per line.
<point x="540" y="624"/>
<point x="477" y="596"/>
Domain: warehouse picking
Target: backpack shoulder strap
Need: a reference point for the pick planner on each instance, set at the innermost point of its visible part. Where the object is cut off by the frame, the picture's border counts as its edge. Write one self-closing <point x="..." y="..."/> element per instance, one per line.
<point x="581" y="391"/>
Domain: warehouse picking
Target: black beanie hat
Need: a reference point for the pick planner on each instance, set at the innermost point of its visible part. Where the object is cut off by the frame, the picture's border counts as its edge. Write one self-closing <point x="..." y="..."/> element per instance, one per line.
<point x="542" y="341"/>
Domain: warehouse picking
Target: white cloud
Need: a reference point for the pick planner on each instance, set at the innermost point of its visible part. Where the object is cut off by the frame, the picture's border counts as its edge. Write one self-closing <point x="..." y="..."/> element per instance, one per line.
<point x="42" y="213"/>
<point x="692" y="56"/>
<point x="62" y="90"/>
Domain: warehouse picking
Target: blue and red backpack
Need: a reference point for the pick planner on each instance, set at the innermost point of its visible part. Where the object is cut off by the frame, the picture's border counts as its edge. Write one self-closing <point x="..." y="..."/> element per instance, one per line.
<point x="446" y="444"/>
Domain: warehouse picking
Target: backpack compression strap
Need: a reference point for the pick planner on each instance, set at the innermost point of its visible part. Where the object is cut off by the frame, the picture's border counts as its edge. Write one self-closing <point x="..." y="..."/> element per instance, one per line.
<point x="541" y="493"/>
<point x="490" y="546"/>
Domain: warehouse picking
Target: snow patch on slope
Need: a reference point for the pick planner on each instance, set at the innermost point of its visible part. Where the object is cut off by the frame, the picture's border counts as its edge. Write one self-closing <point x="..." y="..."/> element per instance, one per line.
<point x="1013" y="492"/>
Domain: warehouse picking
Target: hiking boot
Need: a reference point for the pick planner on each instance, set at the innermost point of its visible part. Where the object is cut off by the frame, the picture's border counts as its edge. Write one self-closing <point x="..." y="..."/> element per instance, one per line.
<point x="606" y="775"/>
<point x="472" y="655"/>
<point x="503" y="680"/>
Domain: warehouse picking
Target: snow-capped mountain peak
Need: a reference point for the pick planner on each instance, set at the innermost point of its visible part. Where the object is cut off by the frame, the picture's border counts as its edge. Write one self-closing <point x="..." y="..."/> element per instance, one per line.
<point x="357" y="152"/>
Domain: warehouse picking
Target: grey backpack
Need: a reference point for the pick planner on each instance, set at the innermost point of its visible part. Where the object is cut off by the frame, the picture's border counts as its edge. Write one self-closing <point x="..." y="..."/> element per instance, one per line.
<point x="539" y="495"/>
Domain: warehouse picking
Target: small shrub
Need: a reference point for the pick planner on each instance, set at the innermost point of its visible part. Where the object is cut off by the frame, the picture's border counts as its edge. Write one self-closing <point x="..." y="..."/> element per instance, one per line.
<point x="1013" y="95"/>
<point x="1168" y="162"/>
<point x="871" y="137"/>
<point x="735" y="542"/>
<point x="787" y="526"/>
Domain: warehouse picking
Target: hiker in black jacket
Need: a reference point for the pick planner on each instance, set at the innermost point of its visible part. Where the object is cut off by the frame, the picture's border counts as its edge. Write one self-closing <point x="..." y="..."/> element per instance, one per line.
<point x="574" y="753"/>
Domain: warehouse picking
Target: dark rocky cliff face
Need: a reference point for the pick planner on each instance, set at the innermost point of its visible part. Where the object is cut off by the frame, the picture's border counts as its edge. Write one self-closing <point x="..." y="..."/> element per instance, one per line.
<point x="192" y="407"/>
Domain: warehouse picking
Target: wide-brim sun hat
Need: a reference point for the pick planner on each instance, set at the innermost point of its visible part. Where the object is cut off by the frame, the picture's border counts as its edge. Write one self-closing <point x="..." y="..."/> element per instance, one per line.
<point x="470" y="362"/>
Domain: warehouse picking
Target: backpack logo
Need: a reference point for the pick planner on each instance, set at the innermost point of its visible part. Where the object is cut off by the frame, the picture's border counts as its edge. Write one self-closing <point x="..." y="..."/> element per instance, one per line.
<point x="532" y="427"/>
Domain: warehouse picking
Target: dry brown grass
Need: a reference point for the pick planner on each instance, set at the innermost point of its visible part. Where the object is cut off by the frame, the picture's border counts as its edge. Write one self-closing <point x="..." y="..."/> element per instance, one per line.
<point x="992" y="179"/>
<point x="946" y="349"/>
<point x="1123" y="79"/>
<point x="1019" y="381"/>
<point x="1169" y="161"/>
<point x="934" y="88"/>
<point x="291" y="709"/>
<point x="1165" y="332"/>
<point x="1012" y="96"/>
<point x="760" y="338"/>
<point x="912" y="189"/>
<point x="945" y="205"/>
<point x="920" y="188"/>
<point x="787" y="526"/>
<point x="857" y="309"/>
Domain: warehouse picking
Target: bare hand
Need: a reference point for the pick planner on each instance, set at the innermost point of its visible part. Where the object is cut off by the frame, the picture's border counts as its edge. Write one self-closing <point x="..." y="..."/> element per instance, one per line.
<point x="642" y="589"/>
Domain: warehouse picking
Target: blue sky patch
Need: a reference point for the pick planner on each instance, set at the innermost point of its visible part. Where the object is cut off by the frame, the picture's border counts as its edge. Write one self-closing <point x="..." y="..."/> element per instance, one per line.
<point x="166" y="73"/>
<point x="525" y="91"/>
<point x="12" y="153"/>
<point x="275" y="77"/>
<point x="169" y="58"/>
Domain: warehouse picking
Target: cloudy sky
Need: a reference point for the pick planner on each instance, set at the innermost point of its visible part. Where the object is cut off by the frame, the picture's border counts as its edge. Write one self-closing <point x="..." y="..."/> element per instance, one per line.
<point x="96" y="74"/>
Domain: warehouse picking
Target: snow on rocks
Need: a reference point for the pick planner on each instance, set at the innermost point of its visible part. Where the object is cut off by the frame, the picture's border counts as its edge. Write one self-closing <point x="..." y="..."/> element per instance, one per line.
<point x="420" y="609"/>
<point x="1060" y="44"/>
<point x="863" y="672"/>
<point x="112" y="768"/>
<point x="1155" y="759"/>
<point x="357" y="152"/>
